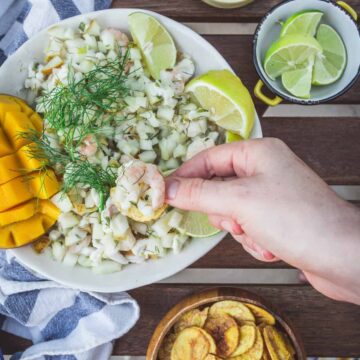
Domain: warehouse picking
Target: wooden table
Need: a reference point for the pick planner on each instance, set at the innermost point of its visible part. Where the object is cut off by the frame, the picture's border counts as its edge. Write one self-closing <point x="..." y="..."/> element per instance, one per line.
<point x="325" y="137"/>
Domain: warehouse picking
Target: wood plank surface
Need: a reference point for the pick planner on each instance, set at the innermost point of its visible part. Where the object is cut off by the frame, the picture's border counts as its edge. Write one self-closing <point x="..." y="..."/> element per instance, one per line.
<point x="330" y="146"/>
<point x="328" y="328"/>
<point x="196" y="10"/>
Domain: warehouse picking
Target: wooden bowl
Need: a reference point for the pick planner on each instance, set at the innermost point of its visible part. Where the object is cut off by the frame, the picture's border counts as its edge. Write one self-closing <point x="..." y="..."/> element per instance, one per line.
<point x="212" y="295"/>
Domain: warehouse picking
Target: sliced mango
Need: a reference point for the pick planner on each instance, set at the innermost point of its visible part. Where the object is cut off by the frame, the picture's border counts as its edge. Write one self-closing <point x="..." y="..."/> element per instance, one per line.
<point x="18" y="163"/>
<point x="15" y="117"/>
<point x="19" y="190"/>
<point x="27" y="210"/>
<point x="24" y="232"/>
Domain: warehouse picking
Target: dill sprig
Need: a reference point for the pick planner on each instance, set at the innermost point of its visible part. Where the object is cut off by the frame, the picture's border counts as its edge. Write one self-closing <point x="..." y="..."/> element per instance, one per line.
<point x="72" y="111"/>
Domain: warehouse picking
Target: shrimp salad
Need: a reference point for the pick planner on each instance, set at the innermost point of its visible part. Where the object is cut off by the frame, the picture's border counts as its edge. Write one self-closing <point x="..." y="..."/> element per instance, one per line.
<point x="130" y="131"/>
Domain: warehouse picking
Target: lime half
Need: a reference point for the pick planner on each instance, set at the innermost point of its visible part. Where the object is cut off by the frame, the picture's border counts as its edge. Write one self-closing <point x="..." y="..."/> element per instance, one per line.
<point x="303" y="22"/>
<point x="154" y="41"/>
<point x="197" y="225"/>
<point x="229" y="102"/>
<point x="290" y="52"/>
<point x="298" y="82"/>
<point x="330" y="65"/>
<point x="232" y="137"/>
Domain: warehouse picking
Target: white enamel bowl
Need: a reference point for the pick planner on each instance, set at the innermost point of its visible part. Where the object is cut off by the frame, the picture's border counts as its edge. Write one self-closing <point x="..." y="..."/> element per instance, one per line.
<point x="334" y="15"/>
<point x="12" y="76"/>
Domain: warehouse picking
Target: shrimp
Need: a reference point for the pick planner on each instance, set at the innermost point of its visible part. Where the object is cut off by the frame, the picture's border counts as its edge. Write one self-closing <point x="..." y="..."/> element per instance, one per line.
<point x="120" y="37"/>
<point x="140" y="191"/>
<point x="89" y="146"/>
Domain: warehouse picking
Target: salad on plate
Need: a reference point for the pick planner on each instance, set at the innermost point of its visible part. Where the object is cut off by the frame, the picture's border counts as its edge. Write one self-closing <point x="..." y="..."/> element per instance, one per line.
<point x="119" y="114"/>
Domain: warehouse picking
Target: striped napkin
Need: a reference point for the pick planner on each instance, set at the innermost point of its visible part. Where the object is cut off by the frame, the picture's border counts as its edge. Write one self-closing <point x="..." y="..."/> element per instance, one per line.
<point x="21" y="19"/>
<point x="63" y="323"/>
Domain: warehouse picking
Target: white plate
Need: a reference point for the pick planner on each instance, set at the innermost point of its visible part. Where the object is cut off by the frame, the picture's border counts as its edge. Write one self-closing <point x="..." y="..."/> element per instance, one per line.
<point x="12" y="76"/>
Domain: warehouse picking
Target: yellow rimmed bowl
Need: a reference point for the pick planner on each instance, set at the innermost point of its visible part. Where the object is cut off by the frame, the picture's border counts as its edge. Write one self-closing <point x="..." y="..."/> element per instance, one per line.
<point x="340" y="16"/>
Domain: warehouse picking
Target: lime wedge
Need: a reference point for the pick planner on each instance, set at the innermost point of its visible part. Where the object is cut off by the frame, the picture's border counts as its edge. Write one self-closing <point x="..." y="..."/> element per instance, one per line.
<point x="290" y="52"/>
<point x="330" y="65"/>
<point x="229" y="102"/>
<point x="303" y="22"/>
<point x="197" y="225"/>
<point x="154" y="41"/>
<point x="232" y="137"/>
<point x="298" y="82"/>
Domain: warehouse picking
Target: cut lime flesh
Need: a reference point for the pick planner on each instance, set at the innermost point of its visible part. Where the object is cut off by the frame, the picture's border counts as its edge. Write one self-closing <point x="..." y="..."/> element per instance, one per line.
<point x="298" y="82"/>
<point x="304" y="22"/>
<point x="288" y="53"/>
<point x="229" y="102"/>
<point x="197" y="225"/>
<point x="330" y="65"/>
<point x="154" y="41"/>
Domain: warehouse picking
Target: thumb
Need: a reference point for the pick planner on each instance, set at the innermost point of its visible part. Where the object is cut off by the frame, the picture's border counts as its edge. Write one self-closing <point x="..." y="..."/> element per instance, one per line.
<point x="207" y="196"/>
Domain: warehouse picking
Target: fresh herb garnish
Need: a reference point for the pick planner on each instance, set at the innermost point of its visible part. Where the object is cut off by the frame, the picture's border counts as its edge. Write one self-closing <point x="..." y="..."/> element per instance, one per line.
<point x="73" y="111"/>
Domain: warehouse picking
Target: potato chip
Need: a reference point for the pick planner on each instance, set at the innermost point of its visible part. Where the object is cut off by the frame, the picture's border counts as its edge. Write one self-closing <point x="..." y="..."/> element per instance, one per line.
<point x="166" y="346"/>
<point x="276" y="344"/>
<point x="246" y="339"/>
<point x="256" y="352"/>
<point x="261" y="315"/>
<point x="224" y="329"/>
<point x="235" y="309"/>
<point x="193" y="343"/>
<point x="41" y="244"/>
<point x="135" y="214"/>
<point x="194" y="317"/>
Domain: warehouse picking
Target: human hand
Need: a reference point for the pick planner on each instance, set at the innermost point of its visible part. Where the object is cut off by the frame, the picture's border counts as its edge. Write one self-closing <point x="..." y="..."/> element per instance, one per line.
<point x="277" y="208"/>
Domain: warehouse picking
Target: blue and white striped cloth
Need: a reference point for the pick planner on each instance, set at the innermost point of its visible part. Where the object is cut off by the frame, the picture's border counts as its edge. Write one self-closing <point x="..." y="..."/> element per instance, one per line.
<point x="63" y="323"/>
<point x="21" y="19"/>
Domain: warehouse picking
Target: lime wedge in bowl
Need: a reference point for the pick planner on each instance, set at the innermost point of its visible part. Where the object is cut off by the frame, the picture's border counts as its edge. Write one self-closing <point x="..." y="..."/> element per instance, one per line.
<point x="154" y="41"/>
<point x="229" y="102"/>
<point x="298" y="82"/>
<point x="290" y="52"/>
<point x="330" y="65"/>
<point x="197" y="225"/>
<point x="303" y="22"/>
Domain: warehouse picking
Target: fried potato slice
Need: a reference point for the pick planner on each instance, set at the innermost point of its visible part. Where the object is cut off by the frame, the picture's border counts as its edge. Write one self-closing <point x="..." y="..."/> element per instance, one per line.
<point x="256" y="352"/>
<point x="235" y="309"/>
<point x="41" y="244"/>
<point x="276" y="344"/>
<point x="166" y="347"/>
<point x="135" y="214"/>
<point x="194" y="317"/>
<point x="225" y="331"/>
<point x="193" y="343"/>
<point x="246" y="339"/>
<point x="261" y="315"/>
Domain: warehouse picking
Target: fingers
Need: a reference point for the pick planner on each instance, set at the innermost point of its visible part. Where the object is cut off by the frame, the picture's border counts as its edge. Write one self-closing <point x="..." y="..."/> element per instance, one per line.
<point x="207" y="196"/>
<point x="226" y="224"/>
<point x="223" y="160"/>
<point x="257" y="251"/>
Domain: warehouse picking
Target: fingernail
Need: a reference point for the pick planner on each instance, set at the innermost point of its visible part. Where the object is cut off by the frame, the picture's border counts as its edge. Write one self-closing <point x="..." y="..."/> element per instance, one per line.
<point x="172" y="186"/>
<point x="226" y="225"/>
<point x="267" y="255"/>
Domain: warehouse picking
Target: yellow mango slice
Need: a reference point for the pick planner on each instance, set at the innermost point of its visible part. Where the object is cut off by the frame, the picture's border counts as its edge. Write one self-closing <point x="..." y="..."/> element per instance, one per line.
<point x="15" y="117"/>
<point x="20" y="190"/>
<point x="16" y="164"/>
<point x="24" y="232"/>
<point x="27" y="210"/>
<point x="8" y="103"/>
<point x="5" y="146"/>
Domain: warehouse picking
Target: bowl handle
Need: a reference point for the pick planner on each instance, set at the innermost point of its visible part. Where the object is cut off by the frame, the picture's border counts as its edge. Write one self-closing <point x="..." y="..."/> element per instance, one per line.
<point x="259" y="94"/>
<point x="349" y="9"/>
